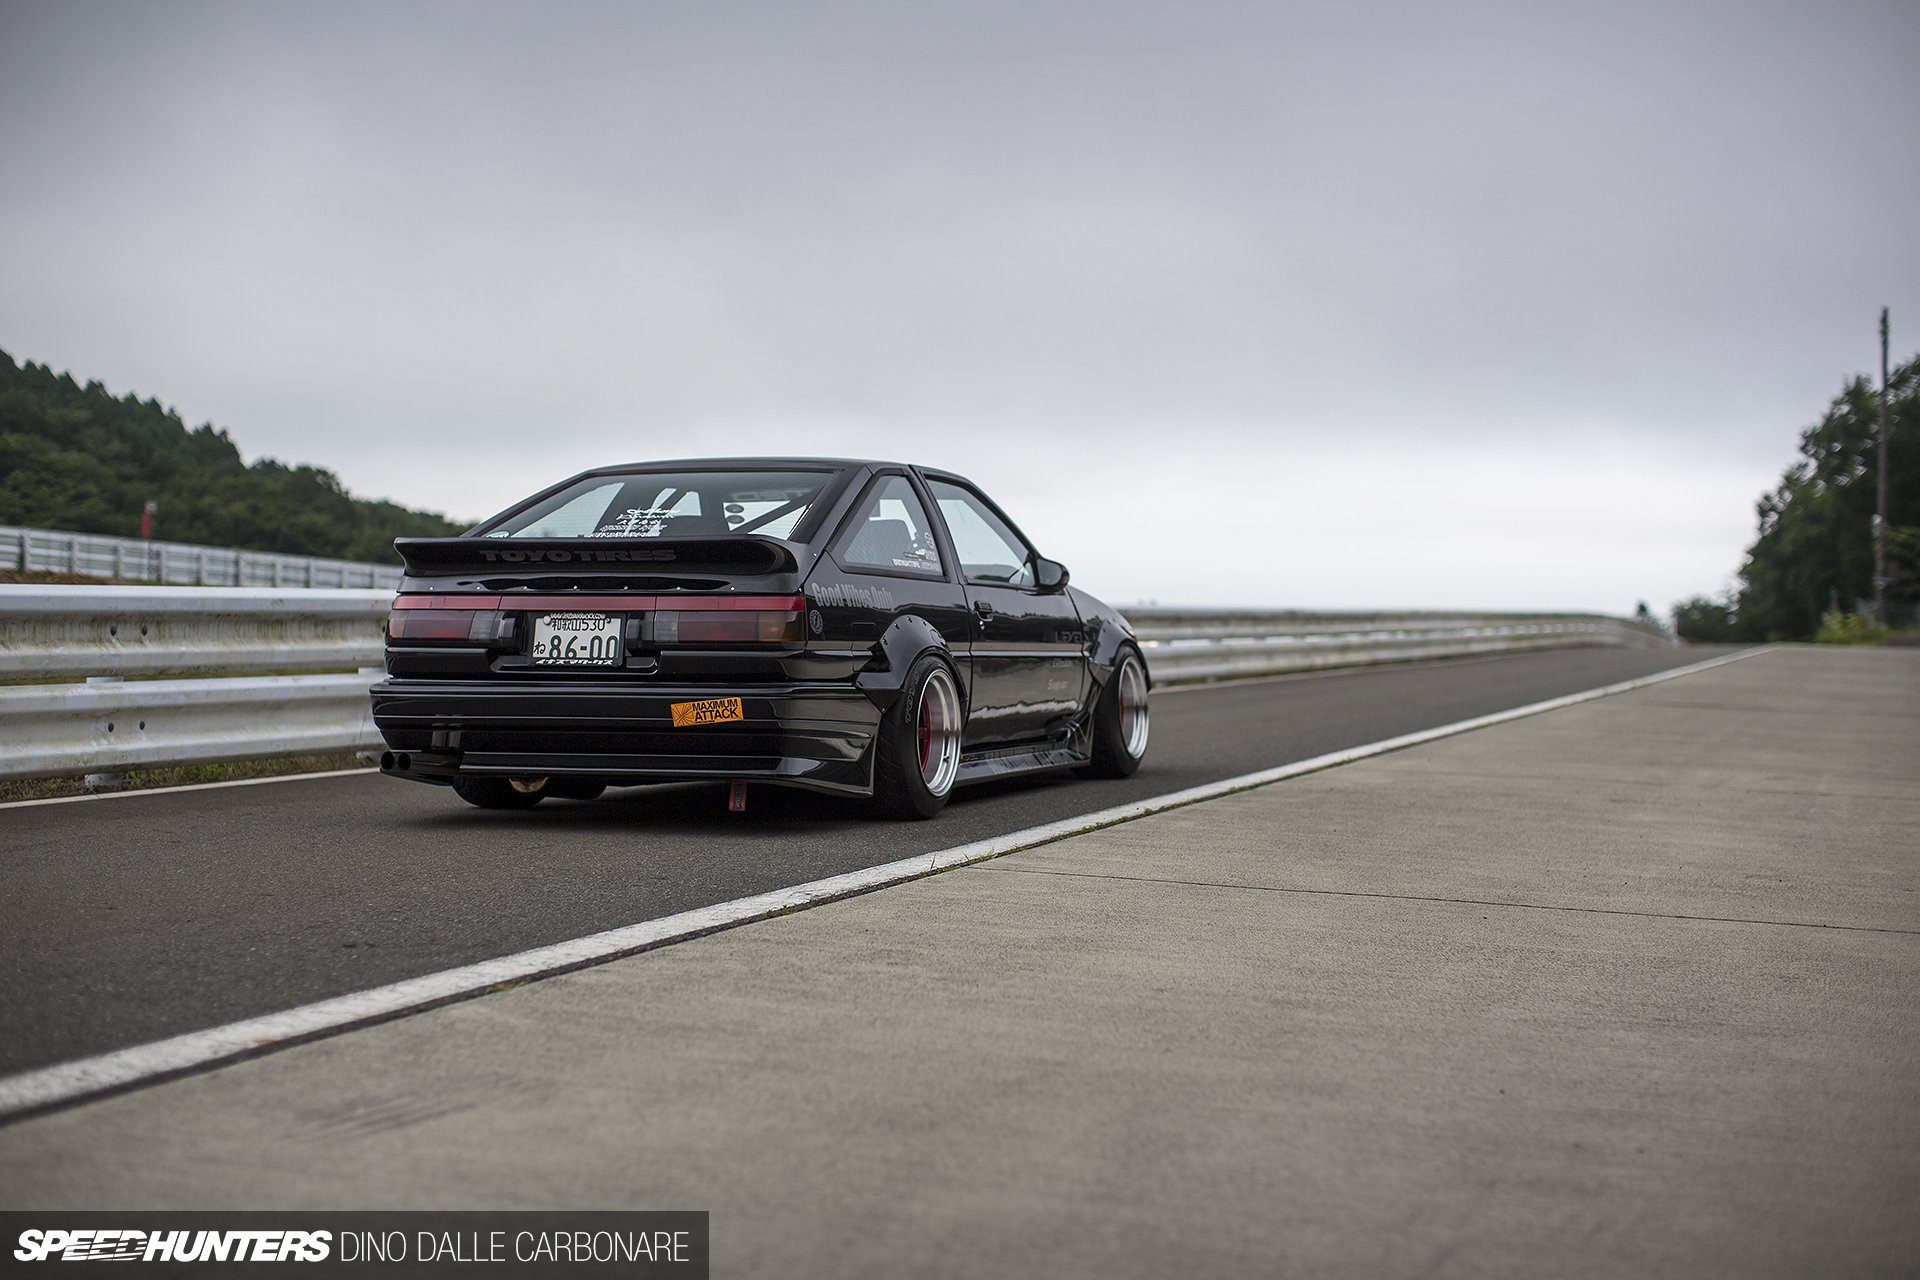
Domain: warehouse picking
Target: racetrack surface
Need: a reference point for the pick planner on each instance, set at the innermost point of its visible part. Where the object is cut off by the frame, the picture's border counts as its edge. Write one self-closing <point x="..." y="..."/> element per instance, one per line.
<point x="132" y="919"/>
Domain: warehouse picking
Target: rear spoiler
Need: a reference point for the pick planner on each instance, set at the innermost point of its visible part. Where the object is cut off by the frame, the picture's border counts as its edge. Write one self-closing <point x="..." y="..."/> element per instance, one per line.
<point x="746" y="555"/>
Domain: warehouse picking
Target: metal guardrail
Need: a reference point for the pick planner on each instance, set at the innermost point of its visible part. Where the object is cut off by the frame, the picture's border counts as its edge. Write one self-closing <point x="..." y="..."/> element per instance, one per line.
<point x="94" y="555"/>
<point x="112" y="637"/>
<point x="72" y="632"/>
<point x="54" y="731"/>
<point x="1193" y="645"/>
<point x="110" y="723"/>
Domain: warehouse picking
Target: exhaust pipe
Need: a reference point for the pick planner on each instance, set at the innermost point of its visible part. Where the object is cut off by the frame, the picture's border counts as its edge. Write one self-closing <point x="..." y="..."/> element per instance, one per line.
<point x="395" y="762"/>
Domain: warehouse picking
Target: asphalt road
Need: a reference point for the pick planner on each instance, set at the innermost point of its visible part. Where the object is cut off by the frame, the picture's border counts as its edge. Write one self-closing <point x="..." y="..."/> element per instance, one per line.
<point x="128" y="920"/>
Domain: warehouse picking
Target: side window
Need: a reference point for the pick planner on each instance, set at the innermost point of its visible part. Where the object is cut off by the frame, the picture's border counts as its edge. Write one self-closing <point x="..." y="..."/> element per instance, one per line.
<point x="989" y="551"/>
<point x="890" y="532"/>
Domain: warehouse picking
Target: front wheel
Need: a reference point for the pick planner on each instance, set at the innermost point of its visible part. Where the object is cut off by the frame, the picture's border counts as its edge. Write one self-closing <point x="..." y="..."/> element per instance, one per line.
<point x="919" y="748"/>
<point x="1120" y="721"/>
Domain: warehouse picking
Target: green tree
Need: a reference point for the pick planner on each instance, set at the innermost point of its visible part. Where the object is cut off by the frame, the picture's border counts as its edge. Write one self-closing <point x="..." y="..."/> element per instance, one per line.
<point x="1815" y="543"/>
<point x="74" y="457"/>
<point x="1704" y="621"/>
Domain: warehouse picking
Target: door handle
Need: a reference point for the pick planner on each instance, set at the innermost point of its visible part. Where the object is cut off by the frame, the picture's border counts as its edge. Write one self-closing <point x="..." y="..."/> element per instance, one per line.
<point x="982" y="608"/>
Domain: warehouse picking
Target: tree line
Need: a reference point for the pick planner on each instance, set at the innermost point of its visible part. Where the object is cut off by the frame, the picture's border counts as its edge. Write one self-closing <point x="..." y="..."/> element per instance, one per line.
<point x="77" y="458"/>
<point x="1814" y="549"/>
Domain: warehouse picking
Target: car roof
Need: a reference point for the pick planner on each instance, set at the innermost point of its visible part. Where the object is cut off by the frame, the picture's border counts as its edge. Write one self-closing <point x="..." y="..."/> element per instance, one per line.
<point x="755" y="464"/>
<point x="768" y="464"/>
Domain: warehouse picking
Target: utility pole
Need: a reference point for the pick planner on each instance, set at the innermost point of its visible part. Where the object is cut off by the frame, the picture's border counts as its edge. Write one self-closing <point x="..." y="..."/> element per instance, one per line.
<point x="1880" y="511"/>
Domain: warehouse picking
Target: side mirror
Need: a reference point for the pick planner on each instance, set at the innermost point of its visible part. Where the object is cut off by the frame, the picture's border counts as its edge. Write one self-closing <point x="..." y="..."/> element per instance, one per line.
<point x="1049" y="575"/>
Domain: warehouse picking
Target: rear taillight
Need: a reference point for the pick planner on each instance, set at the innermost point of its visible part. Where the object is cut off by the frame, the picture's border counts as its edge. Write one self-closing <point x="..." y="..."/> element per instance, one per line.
<point x="441" y="617"/>
<point x="728" y="619"/>
<point x="431" y="624"/>
<point x="674" y="619"/>
<point x="738" y="626"/>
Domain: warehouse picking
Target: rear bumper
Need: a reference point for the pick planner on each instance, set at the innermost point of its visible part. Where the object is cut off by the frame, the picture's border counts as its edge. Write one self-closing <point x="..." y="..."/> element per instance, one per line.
<point x="816" y="736"/>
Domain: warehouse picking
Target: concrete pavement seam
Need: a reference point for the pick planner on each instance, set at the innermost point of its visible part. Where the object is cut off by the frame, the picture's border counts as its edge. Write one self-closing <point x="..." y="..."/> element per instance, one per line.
<point x="1776" y="711"/>
<point x="1462" y="902"/>
<point x="1430" y="774"/>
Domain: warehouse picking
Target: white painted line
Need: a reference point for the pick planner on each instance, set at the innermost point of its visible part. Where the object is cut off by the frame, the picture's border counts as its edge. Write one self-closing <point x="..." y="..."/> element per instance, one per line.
<point x="52" y="1086"/>
<point x="190" y="786"/>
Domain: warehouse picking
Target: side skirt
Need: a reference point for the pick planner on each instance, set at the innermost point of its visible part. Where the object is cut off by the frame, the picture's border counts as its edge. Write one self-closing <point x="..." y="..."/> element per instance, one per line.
<point x="981" y="766"/>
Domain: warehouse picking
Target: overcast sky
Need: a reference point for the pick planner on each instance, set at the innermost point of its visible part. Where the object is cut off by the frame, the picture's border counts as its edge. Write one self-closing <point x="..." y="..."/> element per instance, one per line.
<point x="1338" y="305"/>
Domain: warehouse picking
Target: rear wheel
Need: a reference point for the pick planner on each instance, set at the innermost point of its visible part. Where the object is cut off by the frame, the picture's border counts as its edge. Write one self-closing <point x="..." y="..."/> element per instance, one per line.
<point x="1120" y="721"/>
<point x="501" y="793"/>
<point x="919" y="749"/>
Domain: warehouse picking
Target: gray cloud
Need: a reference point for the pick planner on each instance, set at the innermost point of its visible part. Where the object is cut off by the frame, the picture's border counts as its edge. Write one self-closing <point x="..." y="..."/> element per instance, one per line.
<point x="1389" y="281"/>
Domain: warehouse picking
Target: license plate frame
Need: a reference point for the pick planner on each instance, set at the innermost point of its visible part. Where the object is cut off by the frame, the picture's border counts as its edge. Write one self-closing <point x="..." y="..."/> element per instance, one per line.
<point x="578" y="639"/>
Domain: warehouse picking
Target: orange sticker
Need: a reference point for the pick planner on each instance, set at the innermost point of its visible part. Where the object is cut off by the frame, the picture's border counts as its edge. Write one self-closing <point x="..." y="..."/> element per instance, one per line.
<point x="706" y="711"/>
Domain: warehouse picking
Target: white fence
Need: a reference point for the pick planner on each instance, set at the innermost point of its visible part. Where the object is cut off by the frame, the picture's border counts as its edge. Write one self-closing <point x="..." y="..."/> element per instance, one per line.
<point x="229" y="637"/>
<point x="95" y="555"/>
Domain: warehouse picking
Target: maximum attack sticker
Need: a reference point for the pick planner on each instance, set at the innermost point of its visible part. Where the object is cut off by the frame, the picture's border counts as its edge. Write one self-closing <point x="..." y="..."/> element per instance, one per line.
<point x="706" y="711"/>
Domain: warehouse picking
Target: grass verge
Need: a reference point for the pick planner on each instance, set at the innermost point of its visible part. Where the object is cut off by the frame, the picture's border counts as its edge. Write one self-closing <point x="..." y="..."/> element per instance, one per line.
<point x="33" y="577"/>
<point x="183" y="775"/>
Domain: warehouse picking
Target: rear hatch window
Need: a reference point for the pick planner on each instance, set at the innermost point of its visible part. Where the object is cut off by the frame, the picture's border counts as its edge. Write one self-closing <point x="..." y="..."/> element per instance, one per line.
<point x="659" y="504"/>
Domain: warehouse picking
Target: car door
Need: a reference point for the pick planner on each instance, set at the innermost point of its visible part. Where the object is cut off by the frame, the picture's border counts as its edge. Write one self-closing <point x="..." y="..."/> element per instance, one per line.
<point x="1029" y="652"/>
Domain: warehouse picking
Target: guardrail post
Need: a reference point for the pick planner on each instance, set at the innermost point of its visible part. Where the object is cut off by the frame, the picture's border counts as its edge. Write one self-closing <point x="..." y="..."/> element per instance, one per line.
<point x="105" y="781"/>
<point x="372" y="674"/>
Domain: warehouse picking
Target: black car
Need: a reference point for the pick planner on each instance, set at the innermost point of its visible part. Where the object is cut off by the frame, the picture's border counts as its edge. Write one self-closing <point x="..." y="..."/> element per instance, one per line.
<point x="863" y="628"/>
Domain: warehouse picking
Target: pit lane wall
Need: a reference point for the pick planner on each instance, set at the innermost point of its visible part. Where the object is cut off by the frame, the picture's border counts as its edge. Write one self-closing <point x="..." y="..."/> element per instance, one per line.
<point x="99" y="680"/>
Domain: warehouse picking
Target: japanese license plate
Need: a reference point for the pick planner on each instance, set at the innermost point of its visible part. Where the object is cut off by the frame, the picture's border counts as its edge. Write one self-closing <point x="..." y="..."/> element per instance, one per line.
<point x="706" y="711"/>
<point x="577" y="640"/>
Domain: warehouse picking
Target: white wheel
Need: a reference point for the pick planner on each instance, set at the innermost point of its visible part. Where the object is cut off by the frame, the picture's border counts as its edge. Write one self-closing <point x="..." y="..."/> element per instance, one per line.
<point x="1120" y="721"/>
<point x="937" y="735"/>
<point x="918" y="754"/>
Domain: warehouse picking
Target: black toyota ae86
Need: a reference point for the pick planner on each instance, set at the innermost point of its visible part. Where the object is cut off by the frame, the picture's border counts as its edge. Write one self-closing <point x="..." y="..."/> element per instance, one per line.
<point x="862" y="628"/>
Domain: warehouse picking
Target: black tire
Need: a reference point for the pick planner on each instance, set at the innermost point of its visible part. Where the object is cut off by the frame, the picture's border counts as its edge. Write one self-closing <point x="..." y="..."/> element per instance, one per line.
<point x="918" y="754"/>
<point x="1120" y="721"/>
<point x="574" y="788"/>
<point x="497" y="793"/>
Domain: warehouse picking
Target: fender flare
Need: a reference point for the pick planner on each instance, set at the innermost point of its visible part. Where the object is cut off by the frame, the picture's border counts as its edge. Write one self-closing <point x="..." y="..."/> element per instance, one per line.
<point x="1109" y="641"/>
<point x="894" y="654"/>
